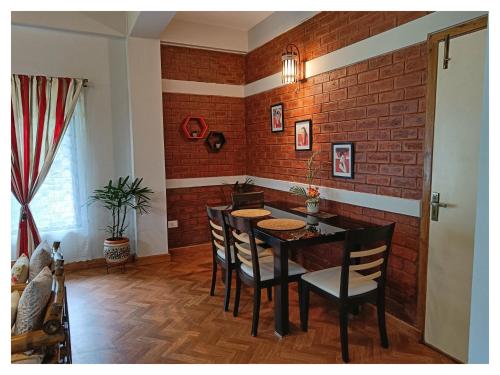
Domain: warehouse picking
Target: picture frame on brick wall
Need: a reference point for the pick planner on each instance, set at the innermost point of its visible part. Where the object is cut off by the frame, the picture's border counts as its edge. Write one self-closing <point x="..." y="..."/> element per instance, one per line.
<point x="343" y="160"/>
<point x="277" y="123"/>
<point x="303" y="135"/>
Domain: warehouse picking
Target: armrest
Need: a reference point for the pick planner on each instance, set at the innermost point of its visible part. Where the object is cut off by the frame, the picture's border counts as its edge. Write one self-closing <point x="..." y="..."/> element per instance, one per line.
<point x="33" y="340"/>
<point x="53" y="316"/>
<point x="19" y="287"/>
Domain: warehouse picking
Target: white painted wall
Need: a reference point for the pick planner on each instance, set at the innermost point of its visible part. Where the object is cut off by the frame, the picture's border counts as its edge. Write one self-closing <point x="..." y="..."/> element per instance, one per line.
<point x="479" y="314"/>
<point x="187" y="33"/>
<point x="274" y="25"/>
<point x="102" y="61"/>
<point x="148" y="160"/>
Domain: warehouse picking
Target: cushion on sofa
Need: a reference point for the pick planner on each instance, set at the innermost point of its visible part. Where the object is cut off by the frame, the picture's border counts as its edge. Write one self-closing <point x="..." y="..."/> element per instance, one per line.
<point x="20" y="270"/>
<point x="31" y="308"/>
<point x="41" y="257"/>
<point x="14" y="301"/>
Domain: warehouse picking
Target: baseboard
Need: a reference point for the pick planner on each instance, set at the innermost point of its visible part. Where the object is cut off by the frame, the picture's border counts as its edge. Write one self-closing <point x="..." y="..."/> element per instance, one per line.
<point x="194" y="247"/>
<point x="443" y="353"/>
<point x="412" y="331"/>
<point x="101" y="262"/>
<point x="152" y="259"/>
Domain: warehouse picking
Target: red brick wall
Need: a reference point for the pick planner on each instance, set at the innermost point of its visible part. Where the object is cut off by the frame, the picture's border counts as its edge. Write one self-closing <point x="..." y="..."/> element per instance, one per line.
<point x="402" y="267"/>
<point x="378" y="104"/>
<point x="322" y="34"/>
<point x="187" y="205"/>
<point x="191" y="64"/>
<point x="187" y="158"/>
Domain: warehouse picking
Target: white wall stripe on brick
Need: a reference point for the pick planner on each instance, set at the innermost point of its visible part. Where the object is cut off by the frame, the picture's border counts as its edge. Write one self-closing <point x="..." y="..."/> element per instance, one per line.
<point x="397" y="205"/>
<point x="391" y="40"/>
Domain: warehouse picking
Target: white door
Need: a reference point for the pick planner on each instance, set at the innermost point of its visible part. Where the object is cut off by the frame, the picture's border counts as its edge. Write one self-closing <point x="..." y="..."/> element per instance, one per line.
<point x="459" y="102"/>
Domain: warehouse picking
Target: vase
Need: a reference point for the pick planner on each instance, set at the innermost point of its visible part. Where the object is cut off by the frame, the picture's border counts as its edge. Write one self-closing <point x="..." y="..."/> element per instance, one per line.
<point x="116" y="251"/>
<point x="312" y="206"/>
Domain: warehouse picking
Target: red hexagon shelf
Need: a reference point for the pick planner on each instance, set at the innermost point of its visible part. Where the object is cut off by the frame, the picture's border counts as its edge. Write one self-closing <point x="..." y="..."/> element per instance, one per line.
<point x="192" y="131"/>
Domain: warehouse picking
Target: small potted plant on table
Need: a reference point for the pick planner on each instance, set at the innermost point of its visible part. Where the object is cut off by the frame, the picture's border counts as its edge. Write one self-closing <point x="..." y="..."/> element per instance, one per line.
<point x="118" y="199"/>
<point x="311" y="193"/>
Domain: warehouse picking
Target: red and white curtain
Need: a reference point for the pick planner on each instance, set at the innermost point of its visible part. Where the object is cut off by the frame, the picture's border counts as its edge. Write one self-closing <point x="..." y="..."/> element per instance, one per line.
<point x="41" y="108"/>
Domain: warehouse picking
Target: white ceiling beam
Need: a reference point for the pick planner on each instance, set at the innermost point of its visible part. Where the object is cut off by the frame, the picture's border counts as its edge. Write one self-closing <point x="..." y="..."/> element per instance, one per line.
<point x="148" y="24"/>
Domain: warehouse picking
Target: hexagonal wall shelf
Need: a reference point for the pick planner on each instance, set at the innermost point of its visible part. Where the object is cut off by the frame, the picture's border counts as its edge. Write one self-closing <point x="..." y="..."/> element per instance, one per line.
<point x="215" y="141"/>
<point x="194" y="131"/>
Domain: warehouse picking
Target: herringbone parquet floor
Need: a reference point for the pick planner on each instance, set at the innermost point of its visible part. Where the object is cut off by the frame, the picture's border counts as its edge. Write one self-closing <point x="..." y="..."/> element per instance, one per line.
<point x="163" y="314"/>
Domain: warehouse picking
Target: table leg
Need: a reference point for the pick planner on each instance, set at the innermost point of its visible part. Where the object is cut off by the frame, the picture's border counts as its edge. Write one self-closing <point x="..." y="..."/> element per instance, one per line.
<point x="281" y="322"/>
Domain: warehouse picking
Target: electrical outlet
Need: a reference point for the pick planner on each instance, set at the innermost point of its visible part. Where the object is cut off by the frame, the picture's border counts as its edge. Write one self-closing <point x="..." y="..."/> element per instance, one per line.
<point x="172" y="224"/>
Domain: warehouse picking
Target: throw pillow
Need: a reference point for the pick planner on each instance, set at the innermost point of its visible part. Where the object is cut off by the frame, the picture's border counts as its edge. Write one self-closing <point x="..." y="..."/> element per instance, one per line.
<point x="19" y="271"/>
<point x="41" y="257"/>
<point x="31" y="308"/>
<point x="14" y="301"/>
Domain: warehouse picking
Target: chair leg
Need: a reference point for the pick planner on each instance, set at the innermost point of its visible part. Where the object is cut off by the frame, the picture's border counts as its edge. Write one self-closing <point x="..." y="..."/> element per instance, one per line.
<point x="229" y="272"/>
<point x="256" y="310"/>
<point x="237" y="296"/>
<point x="304" y="305"/>
<point x="343" y="320"/>
<point x="384" y="341"/>
<point x="214" y="277"/>
<point x="269" y="293"/>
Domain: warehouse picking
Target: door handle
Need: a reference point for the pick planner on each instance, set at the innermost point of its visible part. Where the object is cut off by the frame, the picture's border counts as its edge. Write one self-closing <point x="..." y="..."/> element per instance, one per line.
<point x="435" y="204"/>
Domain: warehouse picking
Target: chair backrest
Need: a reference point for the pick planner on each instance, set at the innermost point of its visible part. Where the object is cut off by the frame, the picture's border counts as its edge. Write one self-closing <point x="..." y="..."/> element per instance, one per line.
<point x="248" y="200"/>
<point x="219" y="233"/>
<point x="366" y="250"/>
<point x="245" y="247"/>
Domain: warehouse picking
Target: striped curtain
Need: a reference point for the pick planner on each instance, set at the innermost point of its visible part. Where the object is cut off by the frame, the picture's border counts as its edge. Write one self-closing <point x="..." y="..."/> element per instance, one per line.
<point x="41" y="108"/>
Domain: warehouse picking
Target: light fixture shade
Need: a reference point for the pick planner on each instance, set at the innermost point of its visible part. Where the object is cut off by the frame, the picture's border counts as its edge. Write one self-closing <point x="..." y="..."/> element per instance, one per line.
<point x="289" y="67"/>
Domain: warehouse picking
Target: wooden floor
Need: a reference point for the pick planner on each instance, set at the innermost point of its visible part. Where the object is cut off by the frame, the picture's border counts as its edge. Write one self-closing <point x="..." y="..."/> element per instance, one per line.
<point x="163" y="314"/>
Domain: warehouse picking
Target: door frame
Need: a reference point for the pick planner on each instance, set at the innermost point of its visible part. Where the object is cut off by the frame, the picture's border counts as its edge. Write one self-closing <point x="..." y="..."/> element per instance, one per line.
<point x="432" y="64"/>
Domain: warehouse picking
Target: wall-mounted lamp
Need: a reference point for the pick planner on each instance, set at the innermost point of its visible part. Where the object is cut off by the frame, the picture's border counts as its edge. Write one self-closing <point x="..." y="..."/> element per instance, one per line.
<point x="290" y="65"/>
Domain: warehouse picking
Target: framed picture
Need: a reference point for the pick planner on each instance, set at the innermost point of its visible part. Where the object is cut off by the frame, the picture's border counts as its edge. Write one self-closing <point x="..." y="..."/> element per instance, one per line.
<point x="343" y="160"/>
<point x="303" y="135"/>
<point x="277" y="118"/>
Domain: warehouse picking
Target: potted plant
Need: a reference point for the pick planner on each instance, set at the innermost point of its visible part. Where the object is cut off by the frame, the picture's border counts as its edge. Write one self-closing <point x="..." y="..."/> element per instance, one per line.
<point x="311" y="194"/>
<point x="118" y="199"/>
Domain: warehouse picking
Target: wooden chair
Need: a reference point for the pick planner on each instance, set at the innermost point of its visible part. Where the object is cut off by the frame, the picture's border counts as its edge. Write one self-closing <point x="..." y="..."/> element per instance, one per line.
<point x="255" y="266"/>
<point x="222" y="252"/>
<point x="365" y="250"/>
<point x="247" y="200"/>
<point x="53" y="339"/>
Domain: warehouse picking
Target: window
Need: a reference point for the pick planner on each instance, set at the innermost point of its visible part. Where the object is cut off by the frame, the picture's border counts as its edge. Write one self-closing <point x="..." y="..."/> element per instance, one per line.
<point x="53" y="206"/>
<point x="59" y="205"/>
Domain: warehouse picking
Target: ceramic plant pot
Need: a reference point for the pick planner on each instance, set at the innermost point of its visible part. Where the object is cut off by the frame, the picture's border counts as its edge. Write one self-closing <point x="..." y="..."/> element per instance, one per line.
<point x="116" y="251"/>
<point x="312" y="206"/>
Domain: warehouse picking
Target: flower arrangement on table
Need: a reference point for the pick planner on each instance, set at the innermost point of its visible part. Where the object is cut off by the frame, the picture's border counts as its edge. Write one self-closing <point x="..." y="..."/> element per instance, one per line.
<point x="311" y="193"/>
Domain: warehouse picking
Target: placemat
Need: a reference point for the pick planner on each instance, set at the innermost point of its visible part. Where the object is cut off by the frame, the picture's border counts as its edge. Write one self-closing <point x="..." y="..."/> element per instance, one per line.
<point x="251" y="212"/>
<point x="281" y="224"/>
<point x="321" y="214"/>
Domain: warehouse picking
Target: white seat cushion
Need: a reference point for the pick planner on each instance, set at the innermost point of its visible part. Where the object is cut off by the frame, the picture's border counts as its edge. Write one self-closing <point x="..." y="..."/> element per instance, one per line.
<point x="222" y="254"/>
<point x="329" y="280"/>
<point x="267" y="269"/>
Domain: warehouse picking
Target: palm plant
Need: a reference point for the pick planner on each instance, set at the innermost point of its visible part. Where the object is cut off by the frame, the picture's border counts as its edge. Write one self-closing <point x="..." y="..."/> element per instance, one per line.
<point x="118" y="199"/>
<point x="311" y="193"/>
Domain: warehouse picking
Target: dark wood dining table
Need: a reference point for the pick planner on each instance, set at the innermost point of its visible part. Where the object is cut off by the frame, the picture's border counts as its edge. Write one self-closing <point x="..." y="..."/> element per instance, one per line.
<point x="320" y="228"/>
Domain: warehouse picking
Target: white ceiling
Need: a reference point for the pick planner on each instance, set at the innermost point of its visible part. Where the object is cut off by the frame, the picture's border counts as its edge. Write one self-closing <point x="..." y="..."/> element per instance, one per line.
<point x="233" y="20"/>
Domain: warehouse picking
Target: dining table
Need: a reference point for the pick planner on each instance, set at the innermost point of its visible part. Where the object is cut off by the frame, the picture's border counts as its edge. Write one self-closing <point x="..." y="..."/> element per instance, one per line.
<point x="320" y="228"/>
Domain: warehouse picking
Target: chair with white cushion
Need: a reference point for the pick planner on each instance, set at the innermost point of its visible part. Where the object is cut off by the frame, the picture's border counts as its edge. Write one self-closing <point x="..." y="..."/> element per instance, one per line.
<point x="254" y="265"/>
<point x="222" y="251"/>
<point x="360" y="279"/>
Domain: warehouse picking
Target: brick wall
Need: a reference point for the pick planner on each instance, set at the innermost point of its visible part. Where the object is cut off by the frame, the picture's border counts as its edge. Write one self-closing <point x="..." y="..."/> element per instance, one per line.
<point x="189" y="158"/>
<point x="322" y="34"/>
<point x="191" y="64"/>
<point x="187" y="205"/>
<point x="378" y="104"/>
